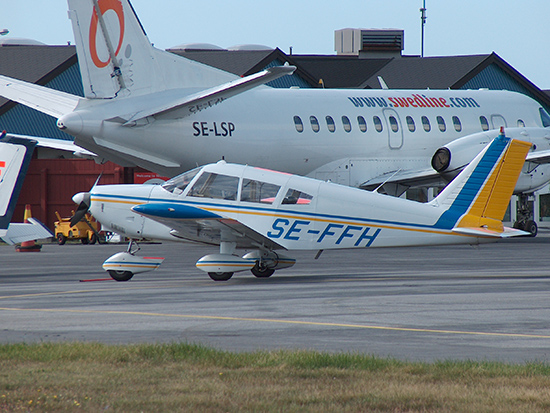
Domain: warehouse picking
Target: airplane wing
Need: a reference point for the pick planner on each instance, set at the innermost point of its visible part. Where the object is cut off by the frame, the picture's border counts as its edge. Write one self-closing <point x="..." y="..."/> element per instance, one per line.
<point x="196" y="224"/>
<point x="188" y="105"/>
<point x="44" y="99"/>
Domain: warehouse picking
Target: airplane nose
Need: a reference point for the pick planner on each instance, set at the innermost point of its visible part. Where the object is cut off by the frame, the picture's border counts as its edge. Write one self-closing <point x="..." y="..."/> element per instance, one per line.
<point x="71" y="123"/>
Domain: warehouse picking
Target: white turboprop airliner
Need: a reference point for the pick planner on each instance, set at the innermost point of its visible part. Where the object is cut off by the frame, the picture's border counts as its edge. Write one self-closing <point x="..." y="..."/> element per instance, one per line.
<point x="167" y="114"/>
<point x="15" y="156"/>
<point x="239" y="206"/>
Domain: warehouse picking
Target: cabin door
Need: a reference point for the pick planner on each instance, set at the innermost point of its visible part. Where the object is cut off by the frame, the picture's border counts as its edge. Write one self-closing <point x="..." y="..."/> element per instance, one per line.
<point x="394" y="128"/>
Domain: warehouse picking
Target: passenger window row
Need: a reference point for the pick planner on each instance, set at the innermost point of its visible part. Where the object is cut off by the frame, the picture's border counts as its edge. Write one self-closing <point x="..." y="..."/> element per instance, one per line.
<point x="393" y="122"/>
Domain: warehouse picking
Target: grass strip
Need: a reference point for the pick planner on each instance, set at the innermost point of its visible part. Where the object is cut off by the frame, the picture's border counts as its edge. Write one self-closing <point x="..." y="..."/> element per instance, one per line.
<point x="183" y="377"/>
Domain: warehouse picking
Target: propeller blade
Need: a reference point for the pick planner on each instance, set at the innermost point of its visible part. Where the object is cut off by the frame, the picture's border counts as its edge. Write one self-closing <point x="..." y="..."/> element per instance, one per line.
<point x="79" y="214"/>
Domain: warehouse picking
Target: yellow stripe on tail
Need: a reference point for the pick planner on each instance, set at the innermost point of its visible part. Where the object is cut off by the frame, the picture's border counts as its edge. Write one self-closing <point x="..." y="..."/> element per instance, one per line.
<point x="490" y="206"/>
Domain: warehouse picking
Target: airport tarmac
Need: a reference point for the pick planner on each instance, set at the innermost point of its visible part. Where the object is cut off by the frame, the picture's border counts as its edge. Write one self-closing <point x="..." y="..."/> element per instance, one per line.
<point x="486" y="302"/>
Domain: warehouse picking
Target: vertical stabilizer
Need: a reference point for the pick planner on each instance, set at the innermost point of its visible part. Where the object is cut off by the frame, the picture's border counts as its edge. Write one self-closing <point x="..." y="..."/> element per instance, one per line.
<point x="116" y="57"/>
<point x="15" y="156"/>
<point x="480" y="194"/>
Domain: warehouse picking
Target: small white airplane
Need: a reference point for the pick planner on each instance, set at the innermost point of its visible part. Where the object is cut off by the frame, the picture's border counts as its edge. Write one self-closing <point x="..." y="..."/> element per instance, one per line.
<point x="264" y="211"/>
<point x="167" y="114"/>
<point x="15" y="156"/>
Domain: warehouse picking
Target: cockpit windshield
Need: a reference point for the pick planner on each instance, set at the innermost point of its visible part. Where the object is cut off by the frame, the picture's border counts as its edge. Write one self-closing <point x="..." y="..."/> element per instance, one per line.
<point x="545" y="117"/>
<point x="216" y="186"/>
<point x="177" y="184"/>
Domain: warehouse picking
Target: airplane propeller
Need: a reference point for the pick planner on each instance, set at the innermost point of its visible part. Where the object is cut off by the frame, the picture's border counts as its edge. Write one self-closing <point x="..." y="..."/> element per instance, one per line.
<point x="83" y="200"/>
<point x="83" y="206"/>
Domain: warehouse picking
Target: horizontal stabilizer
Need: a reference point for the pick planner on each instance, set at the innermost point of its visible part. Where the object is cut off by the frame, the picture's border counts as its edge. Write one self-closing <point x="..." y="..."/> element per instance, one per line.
<point x="59" y="144"/>
<point x="49" y="101"/>
<point x="486" y="232"/>
<point x="21" y="232"/>
<point x="188" y="105"/>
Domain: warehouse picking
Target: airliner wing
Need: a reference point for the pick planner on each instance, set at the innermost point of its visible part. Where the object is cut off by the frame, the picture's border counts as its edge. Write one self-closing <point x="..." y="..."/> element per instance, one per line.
<point x="191" y="104"/>
<point x="44" y="99"/>
<point x="188" y="222"/>
<point x="539" y="157"/>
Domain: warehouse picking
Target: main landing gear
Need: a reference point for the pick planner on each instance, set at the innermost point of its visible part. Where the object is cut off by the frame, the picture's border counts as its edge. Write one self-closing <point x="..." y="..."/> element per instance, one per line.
<point x="262" y="263"/>
<point x="525" y="220"/>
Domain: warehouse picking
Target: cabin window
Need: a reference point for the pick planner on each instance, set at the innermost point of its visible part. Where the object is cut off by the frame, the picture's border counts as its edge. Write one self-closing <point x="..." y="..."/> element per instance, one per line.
<point x="330" y="123"/>
<point x="441" y="124"/>
<point x="457" y="124"/>
<point x="346" y="123"/>
<point x="377" y="124"/>
<point x="393" y="124"/>
<point x="257" y="191"/>
<point x="178" y="184"/>
<point x="295" y="197"/>
<point x="362" y="123"/>
<point x="426" y="123"/>
<point x="410" y="123"/>
<point x="484" y="123"/>
<point x="211" y="185"/>
<point x="314" y="123"/>
<point x="298" y="124"/>
<point x="521" y="123"/>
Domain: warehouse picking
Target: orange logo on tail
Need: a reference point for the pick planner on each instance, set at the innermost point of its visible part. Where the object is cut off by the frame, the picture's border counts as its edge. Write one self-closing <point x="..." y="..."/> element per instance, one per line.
<point x="104" y="6"/>
<point x="2" y="165"/>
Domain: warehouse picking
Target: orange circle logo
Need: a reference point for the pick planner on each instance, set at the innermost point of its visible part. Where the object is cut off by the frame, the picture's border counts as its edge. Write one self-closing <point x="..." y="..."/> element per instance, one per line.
<point x="104" y="6"/>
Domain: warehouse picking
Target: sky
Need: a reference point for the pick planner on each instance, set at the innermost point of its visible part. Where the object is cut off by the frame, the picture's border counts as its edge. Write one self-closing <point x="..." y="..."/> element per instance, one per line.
<point x="517" y="31"/>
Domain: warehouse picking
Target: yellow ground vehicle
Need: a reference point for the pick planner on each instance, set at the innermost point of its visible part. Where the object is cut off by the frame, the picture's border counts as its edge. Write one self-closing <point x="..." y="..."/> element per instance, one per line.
<point x="86" y="230"/>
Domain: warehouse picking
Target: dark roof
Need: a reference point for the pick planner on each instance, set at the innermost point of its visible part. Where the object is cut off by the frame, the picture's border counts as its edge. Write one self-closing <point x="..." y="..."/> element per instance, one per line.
<point x="244" y="62"/>
<point x="238" y="62"/>
<point x="421" y="73"/>
<point x="35" y="64"/>
<point x="340" y="71"/>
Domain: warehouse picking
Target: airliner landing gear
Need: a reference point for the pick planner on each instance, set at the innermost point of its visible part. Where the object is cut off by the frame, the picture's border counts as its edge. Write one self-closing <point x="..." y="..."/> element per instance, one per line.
<point x="525" y="220"/>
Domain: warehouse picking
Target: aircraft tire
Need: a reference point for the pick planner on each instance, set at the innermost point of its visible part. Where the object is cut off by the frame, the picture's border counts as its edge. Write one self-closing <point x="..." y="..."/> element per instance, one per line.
<point x="121" y="275"/>
<point x="531" y="227"/>
<point x="220" y="276"/>
<point x="61" y="239"/>
<point x="263" y="272"/>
